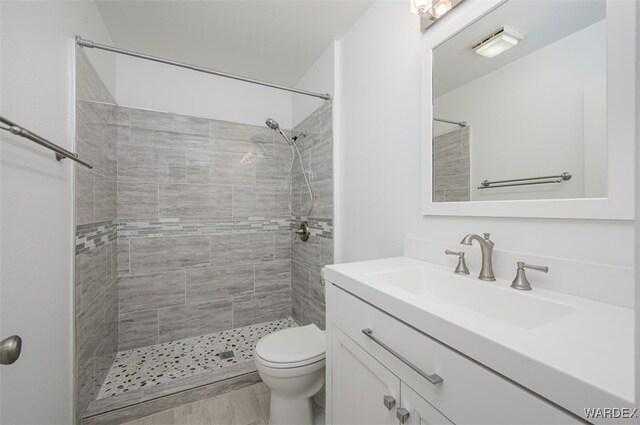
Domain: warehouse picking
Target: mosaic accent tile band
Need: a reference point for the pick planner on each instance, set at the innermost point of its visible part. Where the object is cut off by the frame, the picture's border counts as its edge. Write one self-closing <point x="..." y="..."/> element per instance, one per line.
<point x="201" y="226"/>
<point x="156" y="364"/>
<point x="317" y="226"/>
<point x="93" y="235"/>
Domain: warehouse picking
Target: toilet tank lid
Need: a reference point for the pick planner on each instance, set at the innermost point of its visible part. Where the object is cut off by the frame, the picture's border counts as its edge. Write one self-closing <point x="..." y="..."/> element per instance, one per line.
<point x="292" y="345"/>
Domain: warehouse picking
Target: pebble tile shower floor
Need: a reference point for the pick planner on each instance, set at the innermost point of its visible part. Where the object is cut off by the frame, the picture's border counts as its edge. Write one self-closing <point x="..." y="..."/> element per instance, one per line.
<point x="156" y="364"/>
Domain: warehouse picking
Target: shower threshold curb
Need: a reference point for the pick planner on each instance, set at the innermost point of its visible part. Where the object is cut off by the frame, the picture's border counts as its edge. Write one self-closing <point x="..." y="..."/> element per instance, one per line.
<point x="137" y="409"/>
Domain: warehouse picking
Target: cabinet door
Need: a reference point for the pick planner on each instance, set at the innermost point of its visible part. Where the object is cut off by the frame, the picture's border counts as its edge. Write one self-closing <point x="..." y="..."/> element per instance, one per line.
<point x="419" y="410"/>
<point x="360" y="384"/>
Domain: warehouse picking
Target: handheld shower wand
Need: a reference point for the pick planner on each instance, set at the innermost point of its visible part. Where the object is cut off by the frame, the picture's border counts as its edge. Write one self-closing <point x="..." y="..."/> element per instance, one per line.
<point x="272" y="124"/>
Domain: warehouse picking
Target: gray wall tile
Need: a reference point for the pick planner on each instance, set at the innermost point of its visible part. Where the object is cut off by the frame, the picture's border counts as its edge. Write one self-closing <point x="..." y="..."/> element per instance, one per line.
<point x="257" y="308"/>
<point x="194" y="200"/>
<point x="165" y="139"/>
<point x="218" y="168"/>
<point x="296" y="306"/>
<point x="105" y="199"/>
<point x="96" y="303"/>
<point x="84" y="195"/>
<point x="90" y="135"/>
<point x="322" y="160"/>
<point x="95" y="275"/>
<point x="194" y="319"/>
<point x="316" y="291"/>
<point x="451" y="166"/>
<point x="241" y="248"/>
<point x="273" y="276"/>
<point x="282" y="245"/>
<point x="168" y="122"/>
<point x="238" y="131"/>
<point x="89" y="86"/>
<point x="89" y="327"/>
<point x="249" y="201"/>
<point x="272" y="171"/>
<point x="137" y="200"/>
<point x="219" y="283"/>
<point x="123" y="256"/>
<point x="149" y="291"/>
<point x="150" y="255"/>
<point x="137" y="329"/>
<point x="307" y="253"/>
<point x="326" y="251"/>
<point x="143" y="164"/>
<point x="323" y="205"/>
<point x="300" y="278"/>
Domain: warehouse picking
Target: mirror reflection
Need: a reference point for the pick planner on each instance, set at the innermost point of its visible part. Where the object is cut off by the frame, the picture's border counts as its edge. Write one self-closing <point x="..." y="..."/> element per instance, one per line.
<point x="520" y="105"/>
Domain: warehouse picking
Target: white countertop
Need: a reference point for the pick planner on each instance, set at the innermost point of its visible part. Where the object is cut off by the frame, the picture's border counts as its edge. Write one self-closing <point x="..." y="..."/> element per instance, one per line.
<point x="584" y="359"/>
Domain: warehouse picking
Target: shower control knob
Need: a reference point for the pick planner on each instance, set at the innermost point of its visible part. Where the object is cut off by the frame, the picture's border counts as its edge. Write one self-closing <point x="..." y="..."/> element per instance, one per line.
<point x="303" y="232"/>
<point x="10" y="349"/>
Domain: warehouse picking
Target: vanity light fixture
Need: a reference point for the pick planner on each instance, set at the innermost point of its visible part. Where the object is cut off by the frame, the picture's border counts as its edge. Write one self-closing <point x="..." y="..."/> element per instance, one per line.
<point x="432" y="10"/>
<point x="497" y="42"/>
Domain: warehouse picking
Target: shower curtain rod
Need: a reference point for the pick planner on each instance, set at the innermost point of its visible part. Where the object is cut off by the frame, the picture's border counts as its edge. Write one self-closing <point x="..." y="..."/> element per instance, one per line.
<point x="460" y="123"/>
<point x="90" y="44"/>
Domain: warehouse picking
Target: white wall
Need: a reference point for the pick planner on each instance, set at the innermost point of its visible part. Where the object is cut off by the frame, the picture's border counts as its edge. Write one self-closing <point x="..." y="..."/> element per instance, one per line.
<point x="318" y="78"/>
<point x="36" y="198"/>
<point x="150" y="85"/>
<point x="528" y="118"/>
<point x="379" y="161"/>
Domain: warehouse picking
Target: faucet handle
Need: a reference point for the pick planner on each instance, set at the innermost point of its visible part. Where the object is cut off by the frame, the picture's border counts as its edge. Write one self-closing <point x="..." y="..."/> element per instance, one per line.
<point x="521" y="282"/>
<point x="486" y="235"/>
<point x="522" y="265"/>
<point x="461" y="268"/>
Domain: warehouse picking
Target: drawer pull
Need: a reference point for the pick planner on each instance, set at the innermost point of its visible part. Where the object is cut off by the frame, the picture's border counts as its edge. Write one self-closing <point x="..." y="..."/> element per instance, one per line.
<point x="388" y="402"/>
<point x="402" y="414"/>
<point x="434" y="378"/>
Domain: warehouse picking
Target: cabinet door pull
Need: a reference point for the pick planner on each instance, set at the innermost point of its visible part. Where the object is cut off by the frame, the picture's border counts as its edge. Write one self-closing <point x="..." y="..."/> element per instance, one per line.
<point x="388" y="402"/>
<point x="402" y="414"/>
<point x="433" y="379"/>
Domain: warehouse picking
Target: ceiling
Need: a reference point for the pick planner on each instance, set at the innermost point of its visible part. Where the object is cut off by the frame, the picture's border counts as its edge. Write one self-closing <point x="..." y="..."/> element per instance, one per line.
<point x="542" y="22"/>
<point x="270" y="40"/>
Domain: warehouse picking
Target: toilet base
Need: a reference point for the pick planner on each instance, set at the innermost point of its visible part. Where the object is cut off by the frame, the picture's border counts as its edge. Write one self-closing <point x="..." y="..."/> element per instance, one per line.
<point x="290" y="411"/>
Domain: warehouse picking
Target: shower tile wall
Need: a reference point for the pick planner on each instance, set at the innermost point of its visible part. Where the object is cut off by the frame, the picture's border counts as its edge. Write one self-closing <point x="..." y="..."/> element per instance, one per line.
<point x="204" y="239"/>
<point x="96" y="303"/>
<point x="316" y="148"/>
<point x="452" y="167"/>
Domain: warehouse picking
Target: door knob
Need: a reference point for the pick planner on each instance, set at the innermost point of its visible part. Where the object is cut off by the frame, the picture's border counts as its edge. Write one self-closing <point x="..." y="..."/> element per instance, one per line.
<point x="388" y="402"/>
<point x="402" y="414"/>
<point x="10" y="349"/>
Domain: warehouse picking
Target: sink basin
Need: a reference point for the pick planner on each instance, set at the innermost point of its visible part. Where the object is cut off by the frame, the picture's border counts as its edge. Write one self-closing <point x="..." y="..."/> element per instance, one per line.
<point x="524" y="310"/>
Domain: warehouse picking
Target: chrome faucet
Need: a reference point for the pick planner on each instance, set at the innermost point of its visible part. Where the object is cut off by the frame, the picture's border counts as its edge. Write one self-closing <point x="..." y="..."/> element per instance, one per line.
<point x="486" y="246"/>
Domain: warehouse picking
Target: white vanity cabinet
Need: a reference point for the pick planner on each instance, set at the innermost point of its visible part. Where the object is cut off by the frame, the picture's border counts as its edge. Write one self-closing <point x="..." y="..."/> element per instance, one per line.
<point x="400" y="362"/>
<point x="367" y="393"/>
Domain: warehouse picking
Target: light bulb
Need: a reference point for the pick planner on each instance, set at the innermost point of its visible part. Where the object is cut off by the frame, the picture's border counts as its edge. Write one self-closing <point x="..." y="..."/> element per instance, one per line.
<point x="440" y="8"/>
<point x="421" y="7"/>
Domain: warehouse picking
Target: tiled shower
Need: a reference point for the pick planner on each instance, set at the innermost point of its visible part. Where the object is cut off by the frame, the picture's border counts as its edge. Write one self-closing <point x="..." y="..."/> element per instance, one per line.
<point x="185" y="251"/>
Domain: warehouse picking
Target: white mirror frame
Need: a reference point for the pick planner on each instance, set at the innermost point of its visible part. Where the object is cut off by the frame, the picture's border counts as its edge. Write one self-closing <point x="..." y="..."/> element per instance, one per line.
<point x="621" y="69"/>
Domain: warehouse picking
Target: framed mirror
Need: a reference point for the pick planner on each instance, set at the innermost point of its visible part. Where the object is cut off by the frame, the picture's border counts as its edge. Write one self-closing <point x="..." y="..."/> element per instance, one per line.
<point x="528" y="110"/>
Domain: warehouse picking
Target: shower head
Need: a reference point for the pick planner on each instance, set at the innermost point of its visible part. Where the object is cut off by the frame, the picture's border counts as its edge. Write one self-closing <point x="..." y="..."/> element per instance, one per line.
<point x="272" y="124"/>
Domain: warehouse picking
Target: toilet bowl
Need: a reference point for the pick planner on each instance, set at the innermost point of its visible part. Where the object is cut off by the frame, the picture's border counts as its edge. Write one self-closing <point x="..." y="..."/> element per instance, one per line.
<point x="291" y="363"/>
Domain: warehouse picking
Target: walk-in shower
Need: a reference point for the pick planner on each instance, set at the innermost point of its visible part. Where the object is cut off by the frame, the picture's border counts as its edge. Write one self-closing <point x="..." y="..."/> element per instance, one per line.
<point x="272" y="124"/>
<point x="185" y="252"/>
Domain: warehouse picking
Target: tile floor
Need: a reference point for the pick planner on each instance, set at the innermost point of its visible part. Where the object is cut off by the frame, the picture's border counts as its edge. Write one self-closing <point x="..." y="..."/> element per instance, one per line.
<point x="246" y="406"/>
<point x="161" y="363"/>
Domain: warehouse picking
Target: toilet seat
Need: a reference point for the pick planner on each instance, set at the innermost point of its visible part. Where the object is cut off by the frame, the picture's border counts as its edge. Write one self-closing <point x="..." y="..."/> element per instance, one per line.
<point x="291" y="348"/>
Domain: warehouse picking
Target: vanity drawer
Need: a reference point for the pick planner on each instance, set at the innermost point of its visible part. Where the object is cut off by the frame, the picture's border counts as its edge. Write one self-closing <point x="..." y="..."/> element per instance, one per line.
<point x="469" y="392"/>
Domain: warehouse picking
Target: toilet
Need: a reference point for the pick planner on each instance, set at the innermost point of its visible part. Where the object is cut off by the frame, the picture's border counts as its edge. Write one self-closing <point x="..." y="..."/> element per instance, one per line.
<point x="291" y="363"/>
